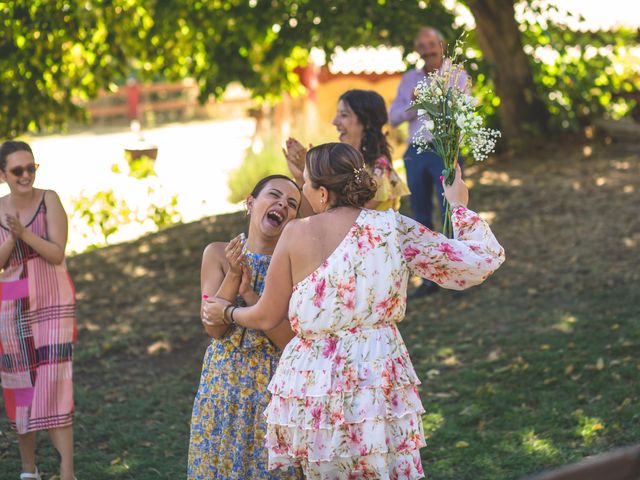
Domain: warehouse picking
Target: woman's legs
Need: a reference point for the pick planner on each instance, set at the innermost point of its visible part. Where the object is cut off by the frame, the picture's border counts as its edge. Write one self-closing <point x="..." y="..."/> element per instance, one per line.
<point x="27" y="445"/>
<point x="62" y="439"/>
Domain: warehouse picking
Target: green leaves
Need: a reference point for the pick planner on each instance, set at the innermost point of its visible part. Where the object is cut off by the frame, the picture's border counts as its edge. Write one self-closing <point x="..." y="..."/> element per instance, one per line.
<point x="55" y="55"/>
<point x="49" y="55"/>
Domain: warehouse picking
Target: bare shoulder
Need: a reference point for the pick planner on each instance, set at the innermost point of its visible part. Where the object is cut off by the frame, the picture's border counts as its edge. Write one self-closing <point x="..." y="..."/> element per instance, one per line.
<point x="214" y="252"/>
<point x="51" y="198"/>
<point x="294" y="228"/>
<point x="3" y="203"/>
<point x="300" y="228"/>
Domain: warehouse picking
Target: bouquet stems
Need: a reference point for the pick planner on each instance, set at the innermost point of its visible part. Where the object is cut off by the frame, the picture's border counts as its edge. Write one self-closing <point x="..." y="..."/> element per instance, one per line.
<point x="447" y="227"/>
<point x="448" y="151"/>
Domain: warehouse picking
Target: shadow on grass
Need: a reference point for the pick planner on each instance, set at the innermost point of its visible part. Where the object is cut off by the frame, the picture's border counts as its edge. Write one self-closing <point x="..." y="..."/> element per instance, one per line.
<point x="536" y="368"/>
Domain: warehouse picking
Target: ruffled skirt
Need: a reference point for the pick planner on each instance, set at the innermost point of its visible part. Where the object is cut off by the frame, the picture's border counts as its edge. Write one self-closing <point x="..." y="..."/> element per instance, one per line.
<point x="347" y="406"/>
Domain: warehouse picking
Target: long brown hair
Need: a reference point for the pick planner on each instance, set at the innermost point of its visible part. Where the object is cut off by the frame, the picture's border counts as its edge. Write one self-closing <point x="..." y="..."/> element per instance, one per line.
<point x="371" y="111"/>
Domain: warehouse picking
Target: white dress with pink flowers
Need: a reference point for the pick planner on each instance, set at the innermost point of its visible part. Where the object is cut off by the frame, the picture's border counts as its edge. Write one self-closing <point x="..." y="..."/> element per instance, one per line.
<point x="345" y="402"/>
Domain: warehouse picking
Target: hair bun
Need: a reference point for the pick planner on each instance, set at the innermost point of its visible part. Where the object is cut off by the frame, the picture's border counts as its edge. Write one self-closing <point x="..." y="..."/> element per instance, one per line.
<point x="340" y="169"/>
<point x="360" y="188"/>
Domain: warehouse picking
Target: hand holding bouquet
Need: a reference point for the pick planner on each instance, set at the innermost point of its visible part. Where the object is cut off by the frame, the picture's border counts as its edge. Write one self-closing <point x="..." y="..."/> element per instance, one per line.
<point x="449" y="116"/>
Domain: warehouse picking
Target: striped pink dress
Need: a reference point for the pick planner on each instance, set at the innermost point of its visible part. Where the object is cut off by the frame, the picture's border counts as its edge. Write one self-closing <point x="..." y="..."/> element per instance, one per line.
<point x="37" y="333"/>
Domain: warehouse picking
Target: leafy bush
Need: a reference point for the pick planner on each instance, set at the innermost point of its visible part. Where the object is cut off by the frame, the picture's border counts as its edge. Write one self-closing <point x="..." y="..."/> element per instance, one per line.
<point x="140" y="204"/>
<point x="580" y="75"/>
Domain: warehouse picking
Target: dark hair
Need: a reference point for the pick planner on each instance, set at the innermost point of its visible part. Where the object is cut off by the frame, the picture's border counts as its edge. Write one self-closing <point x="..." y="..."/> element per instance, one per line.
<point x="9" y="147"/>
<point x="263" y="183"/>
<point x="371" y="111"/>
<point x="339" y="168"/>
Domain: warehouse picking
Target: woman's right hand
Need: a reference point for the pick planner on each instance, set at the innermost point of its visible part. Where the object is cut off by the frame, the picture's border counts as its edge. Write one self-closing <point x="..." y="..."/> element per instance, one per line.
<point x="235" y="255"/>
<point x="457" y="193"/>
<point x="212" y="314"/>
<point x="295" y="154"/>
<point x="15" y="225"/>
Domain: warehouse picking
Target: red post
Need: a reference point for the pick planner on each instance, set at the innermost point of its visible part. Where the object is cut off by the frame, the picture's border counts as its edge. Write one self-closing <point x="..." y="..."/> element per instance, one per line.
<point x="133" y="98"/>
<point x="309" y="78"/>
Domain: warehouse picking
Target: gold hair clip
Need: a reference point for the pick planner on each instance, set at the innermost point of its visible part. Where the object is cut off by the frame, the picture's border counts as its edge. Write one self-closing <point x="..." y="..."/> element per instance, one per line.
<point x="358" y="171"/>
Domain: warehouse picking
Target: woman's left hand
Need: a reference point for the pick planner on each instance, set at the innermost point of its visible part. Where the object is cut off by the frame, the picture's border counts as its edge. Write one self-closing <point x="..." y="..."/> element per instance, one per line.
<point x="247" y="280"/>
<point x="212" y="314"/>
<point x="15" y="226"/>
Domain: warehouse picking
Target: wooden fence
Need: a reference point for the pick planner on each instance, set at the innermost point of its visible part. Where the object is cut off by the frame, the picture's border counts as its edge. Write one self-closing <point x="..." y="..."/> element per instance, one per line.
<point x="135" y="101"/>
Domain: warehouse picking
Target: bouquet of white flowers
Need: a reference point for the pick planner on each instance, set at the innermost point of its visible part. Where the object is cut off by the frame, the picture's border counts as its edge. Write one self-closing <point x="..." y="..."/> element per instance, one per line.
<point x="449" y="114"/>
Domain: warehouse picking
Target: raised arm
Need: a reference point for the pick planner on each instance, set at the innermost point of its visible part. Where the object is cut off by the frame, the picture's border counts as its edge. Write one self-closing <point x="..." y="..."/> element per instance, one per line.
<point x="295" y="154"/>
<point x="274" y="303"/>
<point x="458" y="263"/>
<point x="398" y="112"/>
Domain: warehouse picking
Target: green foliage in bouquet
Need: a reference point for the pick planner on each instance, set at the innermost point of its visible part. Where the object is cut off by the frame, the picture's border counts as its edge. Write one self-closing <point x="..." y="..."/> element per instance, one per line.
<point x="450" y="121"/>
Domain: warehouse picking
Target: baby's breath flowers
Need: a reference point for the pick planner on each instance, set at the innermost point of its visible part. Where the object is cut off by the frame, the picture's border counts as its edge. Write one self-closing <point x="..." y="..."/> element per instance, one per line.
<point x="450" y="120"/>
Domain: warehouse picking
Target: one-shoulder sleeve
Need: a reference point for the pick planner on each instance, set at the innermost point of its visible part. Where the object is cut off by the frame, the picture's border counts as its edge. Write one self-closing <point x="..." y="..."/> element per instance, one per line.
<point x="462" y="262"/>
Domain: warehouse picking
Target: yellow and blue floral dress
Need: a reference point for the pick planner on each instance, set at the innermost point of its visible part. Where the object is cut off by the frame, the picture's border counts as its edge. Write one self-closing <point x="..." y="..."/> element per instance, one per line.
<point x="228" y="426"/>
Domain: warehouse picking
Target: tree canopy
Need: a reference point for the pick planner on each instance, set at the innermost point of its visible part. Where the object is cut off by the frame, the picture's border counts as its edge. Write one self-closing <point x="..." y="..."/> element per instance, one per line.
<point x="55" y="54"/>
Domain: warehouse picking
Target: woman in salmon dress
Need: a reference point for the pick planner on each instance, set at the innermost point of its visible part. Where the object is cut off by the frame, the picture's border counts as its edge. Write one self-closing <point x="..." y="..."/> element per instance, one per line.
<point x="37" y="313"/>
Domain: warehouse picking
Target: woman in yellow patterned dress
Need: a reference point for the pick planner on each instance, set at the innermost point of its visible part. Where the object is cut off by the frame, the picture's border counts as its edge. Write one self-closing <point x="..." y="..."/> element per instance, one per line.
<point x="228" y="426"/>
<point x="359" y="119"/>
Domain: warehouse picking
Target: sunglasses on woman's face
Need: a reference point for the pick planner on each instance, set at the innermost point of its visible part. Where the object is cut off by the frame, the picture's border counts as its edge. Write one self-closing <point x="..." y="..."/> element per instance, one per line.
<point x="19" y="171"/>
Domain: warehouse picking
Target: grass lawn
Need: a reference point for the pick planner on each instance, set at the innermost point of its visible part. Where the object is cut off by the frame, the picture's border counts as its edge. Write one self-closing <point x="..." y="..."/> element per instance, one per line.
<point x="536" y="368"/>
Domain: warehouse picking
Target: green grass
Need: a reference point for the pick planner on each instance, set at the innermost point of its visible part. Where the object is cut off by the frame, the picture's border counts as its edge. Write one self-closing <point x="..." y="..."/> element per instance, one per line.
<point x="536" y="368"/>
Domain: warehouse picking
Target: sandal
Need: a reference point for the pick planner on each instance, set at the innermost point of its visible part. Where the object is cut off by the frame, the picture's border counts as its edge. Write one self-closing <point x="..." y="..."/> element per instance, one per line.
<point x="31" y="476"/>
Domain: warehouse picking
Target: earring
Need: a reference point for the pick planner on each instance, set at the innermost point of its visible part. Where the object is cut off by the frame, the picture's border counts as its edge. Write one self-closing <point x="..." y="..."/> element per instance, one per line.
<point x="248" y="212"/>
<point x="322" y="200"/>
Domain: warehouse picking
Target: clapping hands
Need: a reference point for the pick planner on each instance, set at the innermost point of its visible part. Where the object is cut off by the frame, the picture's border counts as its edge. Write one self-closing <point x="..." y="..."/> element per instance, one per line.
<point x="295" y="154"/>
<point x="235" y="254"/>
<point x="15" y="225"/>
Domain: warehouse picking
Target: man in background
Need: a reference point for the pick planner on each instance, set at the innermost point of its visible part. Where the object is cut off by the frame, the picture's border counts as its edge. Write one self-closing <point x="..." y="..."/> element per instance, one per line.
<point x="423" y="169"/>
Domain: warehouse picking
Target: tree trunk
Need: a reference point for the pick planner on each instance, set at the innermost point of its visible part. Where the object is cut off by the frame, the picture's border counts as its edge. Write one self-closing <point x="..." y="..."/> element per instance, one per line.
<point x="501" y="43"/>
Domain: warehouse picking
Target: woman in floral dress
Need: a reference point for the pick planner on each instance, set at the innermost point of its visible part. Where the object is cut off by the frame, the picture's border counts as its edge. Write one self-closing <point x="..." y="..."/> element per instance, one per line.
<point x="359" y="119"/>
<point x="227" y="426"/>
<point x="344" y="399"/>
